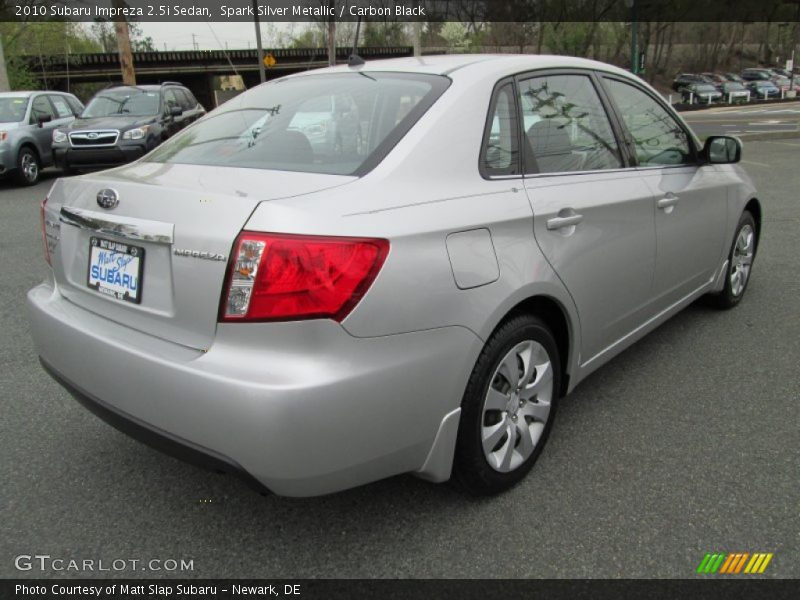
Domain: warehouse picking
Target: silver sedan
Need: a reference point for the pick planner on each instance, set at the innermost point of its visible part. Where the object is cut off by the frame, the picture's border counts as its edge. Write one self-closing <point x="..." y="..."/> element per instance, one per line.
<point x="316" y="318"/>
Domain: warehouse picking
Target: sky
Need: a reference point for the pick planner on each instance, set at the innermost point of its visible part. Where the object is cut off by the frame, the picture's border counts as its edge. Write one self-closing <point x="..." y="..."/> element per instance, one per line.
<point x="178" y="36"/>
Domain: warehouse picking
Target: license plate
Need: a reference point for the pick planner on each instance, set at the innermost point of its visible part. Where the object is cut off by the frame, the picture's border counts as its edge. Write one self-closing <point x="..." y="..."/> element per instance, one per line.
<point x="115" y="269"/>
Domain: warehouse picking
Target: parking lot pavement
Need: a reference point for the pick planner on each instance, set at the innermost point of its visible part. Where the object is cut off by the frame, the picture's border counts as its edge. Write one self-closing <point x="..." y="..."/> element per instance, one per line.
<point x="745" y="120"/>
<point x="686" y="443"/>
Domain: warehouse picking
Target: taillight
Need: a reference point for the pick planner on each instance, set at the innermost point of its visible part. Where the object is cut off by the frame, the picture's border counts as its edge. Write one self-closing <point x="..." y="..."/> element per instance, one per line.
<point x="281" y="277"/>
<point x="43" y="221"/>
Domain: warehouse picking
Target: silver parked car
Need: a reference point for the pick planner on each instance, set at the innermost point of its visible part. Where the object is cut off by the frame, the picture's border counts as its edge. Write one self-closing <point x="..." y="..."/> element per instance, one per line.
<point x="27" y="121"/>
<point x="320" y="320"/>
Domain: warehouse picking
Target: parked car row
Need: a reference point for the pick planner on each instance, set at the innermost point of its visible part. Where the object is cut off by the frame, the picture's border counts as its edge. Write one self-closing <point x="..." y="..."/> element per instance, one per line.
<point x="758" y="83"/>
<point x="118" y="125"/>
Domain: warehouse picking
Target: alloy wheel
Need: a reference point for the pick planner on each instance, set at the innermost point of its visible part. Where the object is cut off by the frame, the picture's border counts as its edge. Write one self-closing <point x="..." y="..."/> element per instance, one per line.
<point x="517" y="406"/>
<point x="29" y="167"/>
<point x="742" y="259"/>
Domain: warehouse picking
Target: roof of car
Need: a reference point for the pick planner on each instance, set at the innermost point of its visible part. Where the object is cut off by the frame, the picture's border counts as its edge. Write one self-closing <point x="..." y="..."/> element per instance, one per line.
<point x="463" y="64"/>
<point x="29" y="93"/>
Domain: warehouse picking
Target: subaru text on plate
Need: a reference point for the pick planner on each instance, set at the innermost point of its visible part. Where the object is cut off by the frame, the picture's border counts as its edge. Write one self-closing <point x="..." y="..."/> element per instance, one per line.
<point x="319" y="316"/>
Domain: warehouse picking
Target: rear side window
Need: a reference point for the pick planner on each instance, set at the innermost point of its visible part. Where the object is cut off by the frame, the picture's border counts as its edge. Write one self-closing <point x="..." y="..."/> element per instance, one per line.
<point x="340" y="124"/>
<point x="658" y="138"/>
<point x="500" y="151"/>
<point x="62" y="108"/>
<point x="566" y="127"/>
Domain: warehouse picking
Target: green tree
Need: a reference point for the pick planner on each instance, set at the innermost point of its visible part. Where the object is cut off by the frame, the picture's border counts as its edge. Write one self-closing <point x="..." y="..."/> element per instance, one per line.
<point x="40" y="39"/>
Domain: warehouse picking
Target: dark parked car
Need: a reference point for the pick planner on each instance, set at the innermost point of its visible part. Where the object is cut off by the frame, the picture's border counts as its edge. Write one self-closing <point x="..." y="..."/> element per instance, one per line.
<point x="763" y="89"/>
<point x="123" y="123"/>
<point x="716" y="79"/>
<point x="701" y="93"/>
<point x="734" y="91"/>
<point x="757" y="75"/>
<point x="684" y="79"/>
<point x="733" y="77"/>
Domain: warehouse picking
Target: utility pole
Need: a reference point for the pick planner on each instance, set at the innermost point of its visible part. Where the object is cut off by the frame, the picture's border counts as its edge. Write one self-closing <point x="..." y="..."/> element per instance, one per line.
<point x="124" y="46"/>
<point x="4" y="86"/>
<point x="332" y="34"/>
<point x="194" y="41"/>
<point x="416" y="37"/>
<point x="261" y="73"/>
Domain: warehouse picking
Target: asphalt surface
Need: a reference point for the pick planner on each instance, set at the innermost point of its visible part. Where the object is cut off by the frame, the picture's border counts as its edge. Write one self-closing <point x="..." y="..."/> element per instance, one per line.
<point x="686" y="443"/>
<point x="745" y="120"/>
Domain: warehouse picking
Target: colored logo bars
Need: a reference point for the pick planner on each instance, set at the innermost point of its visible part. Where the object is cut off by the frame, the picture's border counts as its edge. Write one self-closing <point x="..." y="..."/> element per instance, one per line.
<point x="734" y="563"/>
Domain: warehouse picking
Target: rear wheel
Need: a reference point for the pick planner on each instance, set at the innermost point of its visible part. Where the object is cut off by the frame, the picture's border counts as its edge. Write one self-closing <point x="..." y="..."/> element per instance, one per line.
<point x="27" y="167"/>
<point x="740" y="263"/>
<point x="508" y="407"/>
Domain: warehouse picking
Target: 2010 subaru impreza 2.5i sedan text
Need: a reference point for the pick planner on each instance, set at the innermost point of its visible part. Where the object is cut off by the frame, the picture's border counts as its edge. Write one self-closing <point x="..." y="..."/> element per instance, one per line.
<point x="352" y="273"/>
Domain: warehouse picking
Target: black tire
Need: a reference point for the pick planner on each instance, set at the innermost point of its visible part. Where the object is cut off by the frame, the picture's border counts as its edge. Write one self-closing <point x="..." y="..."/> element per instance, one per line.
<point x="28" y="167"/>
<point x="728" y="298"/>
<point x="471" y="469"/>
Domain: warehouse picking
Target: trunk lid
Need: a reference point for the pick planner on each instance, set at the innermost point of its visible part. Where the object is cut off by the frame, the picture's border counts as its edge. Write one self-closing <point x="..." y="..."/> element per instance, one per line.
<point x="182" y="221"/>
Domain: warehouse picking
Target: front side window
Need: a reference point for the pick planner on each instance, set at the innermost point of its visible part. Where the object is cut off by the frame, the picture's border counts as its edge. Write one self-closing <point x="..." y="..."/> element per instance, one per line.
<point x="183" y="98"/>
<point x="339" y="124"/>
<point x="41" y="109"/>
<point x="171" y="99"/>
<point x="129" y="102"/>
<point x="658" y="138"/>
<point x="500" y="152"/>
<point x="566" y="127"/>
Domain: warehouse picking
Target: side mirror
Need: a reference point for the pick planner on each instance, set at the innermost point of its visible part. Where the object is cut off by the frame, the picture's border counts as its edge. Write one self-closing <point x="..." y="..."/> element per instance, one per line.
<point x="175" y="111"/>
<point x="722" y="150"/>
<point x="42" y="119"/>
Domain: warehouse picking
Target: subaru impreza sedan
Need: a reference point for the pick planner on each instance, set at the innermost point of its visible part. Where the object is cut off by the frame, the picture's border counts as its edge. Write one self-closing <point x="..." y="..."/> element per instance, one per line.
<point x="416" y="303"/>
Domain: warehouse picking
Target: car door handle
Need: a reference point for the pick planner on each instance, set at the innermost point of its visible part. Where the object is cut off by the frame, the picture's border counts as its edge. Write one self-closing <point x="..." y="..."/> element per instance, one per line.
<point x="667" y="201"/>
<point x="561" y="222"/>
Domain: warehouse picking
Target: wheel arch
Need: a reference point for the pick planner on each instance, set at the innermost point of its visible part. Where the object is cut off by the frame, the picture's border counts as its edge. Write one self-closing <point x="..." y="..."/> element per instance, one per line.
<point x="557" y="317"/>
<point x="31" y="146"/>
<point x="753" y="206"/>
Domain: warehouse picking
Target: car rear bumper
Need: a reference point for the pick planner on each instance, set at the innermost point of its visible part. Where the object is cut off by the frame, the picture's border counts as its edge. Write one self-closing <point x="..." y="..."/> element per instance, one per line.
<point x="302" y="408"/>
<point x="97" y="157"/>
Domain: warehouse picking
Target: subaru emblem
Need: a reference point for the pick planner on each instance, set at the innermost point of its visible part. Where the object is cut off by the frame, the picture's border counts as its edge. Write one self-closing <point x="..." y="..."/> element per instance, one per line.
<point x="107" y="198"/>
<point x="93" y="135"/>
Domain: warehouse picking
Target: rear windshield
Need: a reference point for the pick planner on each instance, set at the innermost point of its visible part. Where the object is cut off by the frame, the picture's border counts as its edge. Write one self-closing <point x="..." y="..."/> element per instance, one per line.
<point x="130" y="102"/>
<point x="12" y="109"/>
<point x="337" y="123"/>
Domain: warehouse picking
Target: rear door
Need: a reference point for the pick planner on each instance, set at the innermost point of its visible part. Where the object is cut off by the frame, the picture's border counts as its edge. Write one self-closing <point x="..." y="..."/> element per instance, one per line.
<point x="593" y="215"/>
<point x="690" y="199"/>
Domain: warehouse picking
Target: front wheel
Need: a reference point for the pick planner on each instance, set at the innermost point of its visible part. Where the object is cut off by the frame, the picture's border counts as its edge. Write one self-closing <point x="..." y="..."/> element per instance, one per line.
<point x="740" y="263"/>
<point x="27" y="167"/>
<point x="508" y="407"/>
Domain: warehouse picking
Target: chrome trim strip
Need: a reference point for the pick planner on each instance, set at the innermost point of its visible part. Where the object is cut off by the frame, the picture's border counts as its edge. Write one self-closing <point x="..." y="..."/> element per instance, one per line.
<point x="156" y="232"/>
<point x="100" y="132"/>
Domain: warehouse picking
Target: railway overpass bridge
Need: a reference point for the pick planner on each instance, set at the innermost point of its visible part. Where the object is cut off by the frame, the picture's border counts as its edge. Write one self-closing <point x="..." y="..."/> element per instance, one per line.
<point x="194" y="68"/>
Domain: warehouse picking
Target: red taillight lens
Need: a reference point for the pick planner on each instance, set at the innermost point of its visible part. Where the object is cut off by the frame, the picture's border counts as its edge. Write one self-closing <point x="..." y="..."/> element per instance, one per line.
<point x="43" y="222"/>
<point x="279" y="277"/>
